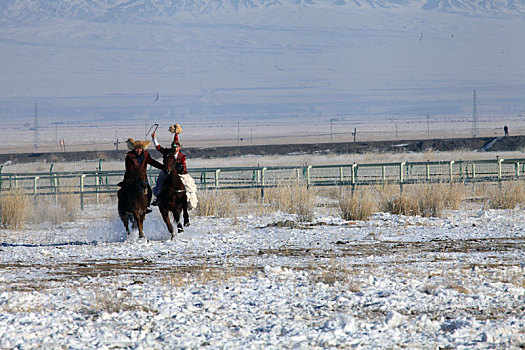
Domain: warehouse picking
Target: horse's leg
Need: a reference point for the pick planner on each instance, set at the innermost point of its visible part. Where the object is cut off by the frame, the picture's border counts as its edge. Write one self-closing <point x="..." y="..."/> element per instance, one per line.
<point x="176" y="217"/>
<point x="122" y="211"/>
<point x="185" y="214"/>
<point x="141" y="225"/>
<point x="139" y="219"/>
<point x="124" y="219"/>
<point x="166" y="217"/>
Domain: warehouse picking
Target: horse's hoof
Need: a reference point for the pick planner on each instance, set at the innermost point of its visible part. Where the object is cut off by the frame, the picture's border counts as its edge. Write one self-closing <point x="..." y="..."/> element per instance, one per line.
<point x="187" y="224"/>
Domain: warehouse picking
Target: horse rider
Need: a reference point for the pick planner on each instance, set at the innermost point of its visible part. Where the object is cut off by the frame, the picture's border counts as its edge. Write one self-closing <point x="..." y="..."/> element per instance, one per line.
<point x="137" y="158"/>
<point x="180" y="162"/>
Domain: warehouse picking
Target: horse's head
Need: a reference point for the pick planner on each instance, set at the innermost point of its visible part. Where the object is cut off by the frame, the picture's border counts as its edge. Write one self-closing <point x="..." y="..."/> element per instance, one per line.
<point x="140" y="180"/>
<point x="171" y="164"/>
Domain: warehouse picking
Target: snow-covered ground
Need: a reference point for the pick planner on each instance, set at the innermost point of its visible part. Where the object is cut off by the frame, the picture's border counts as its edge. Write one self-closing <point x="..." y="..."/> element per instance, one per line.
<point x="267" y="282"/>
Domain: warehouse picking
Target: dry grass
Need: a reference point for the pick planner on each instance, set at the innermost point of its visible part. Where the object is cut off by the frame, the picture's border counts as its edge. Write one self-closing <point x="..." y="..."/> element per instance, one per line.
<point x="217" y="203"/>
<point x="454" y="195"/>
<point x="13" y="208"/>
<point x="358" y="205"/>
<point x="458" y="287"/>
<point x="506" y="195"/>
<point x="399" y="203"/>
<point x="248" y="195"/>
<point x="206" y="275"/>
<point x="293" y="199"/>
<point x="428" y="200"/>
<point x="332" y="192"/>
<point x="65" y="209"/>
<point x="71" y="204"/>
<point x="334" y="272"/>
<point x="114" y="302"/>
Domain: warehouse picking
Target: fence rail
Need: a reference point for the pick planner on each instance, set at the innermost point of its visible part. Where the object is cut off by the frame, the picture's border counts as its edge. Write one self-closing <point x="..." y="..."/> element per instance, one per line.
<point x="95" y="183"/>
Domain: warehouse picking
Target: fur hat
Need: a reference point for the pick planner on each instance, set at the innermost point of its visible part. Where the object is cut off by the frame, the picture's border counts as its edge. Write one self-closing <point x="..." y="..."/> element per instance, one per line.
<point x="175" y="129"/>
<point x="133" y="144"/>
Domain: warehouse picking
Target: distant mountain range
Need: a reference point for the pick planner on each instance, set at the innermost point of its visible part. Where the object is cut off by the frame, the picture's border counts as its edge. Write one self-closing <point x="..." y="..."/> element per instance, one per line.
<point x="256" y="59"/>
<point x="125" y="11"/>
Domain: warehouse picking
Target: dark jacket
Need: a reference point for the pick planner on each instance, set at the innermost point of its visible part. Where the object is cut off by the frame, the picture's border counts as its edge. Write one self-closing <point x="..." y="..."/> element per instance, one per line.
<point x="134" y="161"/>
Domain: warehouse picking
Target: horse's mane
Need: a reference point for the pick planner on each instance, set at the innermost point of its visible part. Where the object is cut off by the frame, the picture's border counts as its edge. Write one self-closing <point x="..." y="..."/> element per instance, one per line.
<point x="173" y="176"/>
<point x="139" y="173"/>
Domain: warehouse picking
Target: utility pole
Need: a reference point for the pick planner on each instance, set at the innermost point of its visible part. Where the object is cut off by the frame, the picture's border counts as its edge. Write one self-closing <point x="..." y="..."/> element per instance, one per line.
<point x="395" y="120"/>
<point x="474" y="116"/>
<point x="428" y="127"/>
<point x="36" y="136"/>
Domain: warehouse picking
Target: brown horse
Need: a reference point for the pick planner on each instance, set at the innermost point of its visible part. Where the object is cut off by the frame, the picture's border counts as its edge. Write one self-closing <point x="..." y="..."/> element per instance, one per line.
<point x="173" y="197"/>
<point x="133" y="201"/>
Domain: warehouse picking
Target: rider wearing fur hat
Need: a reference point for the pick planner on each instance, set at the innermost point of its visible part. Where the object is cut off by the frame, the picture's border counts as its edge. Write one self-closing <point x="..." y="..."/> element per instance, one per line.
<point x="138" y="157"/>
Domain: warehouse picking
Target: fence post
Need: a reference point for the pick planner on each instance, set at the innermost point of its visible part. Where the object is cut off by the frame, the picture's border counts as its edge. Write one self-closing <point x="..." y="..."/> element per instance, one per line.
<point x="308" y="175"/>
<point x="262" y="183"/>
<point x="217" y="171"/>
<point x="82" y="191"/>
<point x="428" y="172"/>
<point x="401" y="171"/>
<point x="354" y="176"/>
<point x="473" y="170"/>
<point x="499" y="168"/>
<point x="55" y="185"/>
<point x="517" y="169"/>
<point x="450" y="171"/>
<point x="35" y="186"/>
<point x="203" y="180"/>
<point x="383" y="173"/>
<point x="96" y="188"/>
<point x="341" y="176"/>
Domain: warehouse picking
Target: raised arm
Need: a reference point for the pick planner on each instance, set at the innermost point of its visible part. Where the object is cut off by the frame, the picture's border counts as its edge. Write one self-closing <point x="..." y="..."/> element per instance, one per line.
<point x="153" y="162"/>
<point x="157" y="145"/>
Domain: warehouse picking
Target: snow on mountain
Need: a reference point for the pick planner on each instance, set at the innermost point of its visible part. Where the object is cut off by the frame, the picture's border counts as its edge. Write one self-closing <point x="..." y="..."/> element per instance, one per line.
<point x="260" y="58"/>
<point x="487" y="7"/>
<point x="126" y="11"/>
